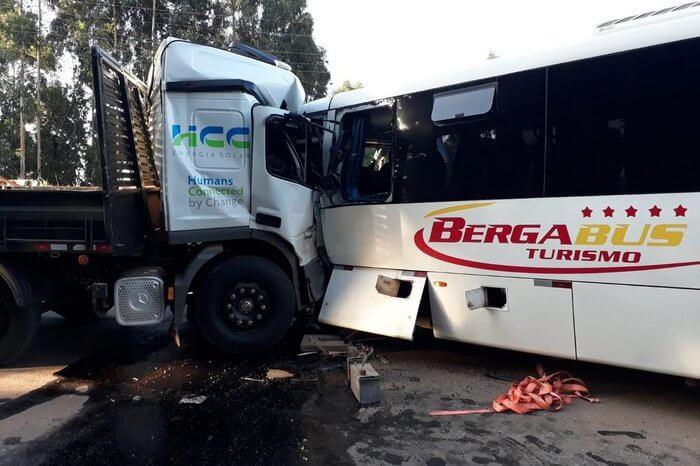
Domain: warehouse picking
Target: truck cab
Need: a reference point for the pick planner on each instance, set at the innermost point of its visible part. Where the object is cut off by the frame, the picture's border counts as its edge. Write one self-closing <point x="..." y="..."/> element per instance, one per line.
<point x="206" y="207"/>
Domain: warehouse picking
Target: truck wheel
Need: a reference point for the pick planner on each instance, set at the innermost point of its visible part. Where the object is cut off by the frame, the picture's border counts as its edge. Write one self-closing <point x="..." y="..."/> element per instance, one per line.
<point x="17" y="327"/>
<point x="246" y="304"/>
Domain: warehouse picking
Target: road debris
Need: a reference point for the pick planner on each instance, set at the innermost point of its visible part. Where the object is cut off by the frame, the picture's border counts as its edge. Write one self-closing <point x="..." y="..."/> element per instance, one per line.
<point x="363" y="378"/>
<point x="364" y="383"/>
<point x="329" y="345"/>
<point x="547" y="393"/>
<point x="137" y="398"/>
<point x="192" y="400"/>
<point x="251" y="379"/>
<point x="273" y="374"/>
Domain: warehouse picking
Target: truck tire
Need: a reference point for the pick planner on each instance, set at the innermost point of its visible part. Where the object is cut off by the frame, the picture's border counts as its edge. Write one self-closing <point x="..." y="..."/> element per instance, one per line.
<point x="244" y="305"/>
<point x="17" y="327"/>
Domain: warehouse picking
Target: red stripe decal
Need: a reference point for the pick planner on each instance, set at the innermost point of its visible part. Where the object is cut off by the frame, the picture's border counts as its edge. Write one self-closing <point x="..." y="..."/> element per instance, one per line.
<point x="423" y="246"/>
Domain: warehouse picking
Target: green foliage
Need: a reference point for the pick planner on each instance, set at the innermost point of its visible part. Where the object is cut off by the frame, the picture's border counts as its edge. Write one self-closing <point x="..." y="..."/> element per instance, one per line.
<point x="123" y="27"/>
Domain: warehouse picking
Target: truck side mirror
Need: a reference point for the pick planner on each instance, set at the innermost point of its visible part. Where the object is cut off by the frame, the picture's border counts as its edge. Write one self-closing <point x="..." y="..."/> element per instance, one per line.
<point x="329" y="185"/>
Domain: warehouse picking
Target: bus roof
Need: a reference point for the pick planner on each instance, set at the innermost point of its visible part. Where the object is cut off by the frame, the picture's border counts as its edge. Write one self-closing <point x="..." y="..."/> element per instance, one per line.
<point x="632" y="32"/>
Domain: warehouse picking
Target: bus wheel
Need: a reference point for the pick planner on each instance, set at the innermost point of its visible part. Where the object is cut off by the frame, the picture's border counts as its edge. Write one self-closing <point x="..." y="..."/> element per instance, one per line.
<point x="17" y="327"/>
<point x="244" y="305"/>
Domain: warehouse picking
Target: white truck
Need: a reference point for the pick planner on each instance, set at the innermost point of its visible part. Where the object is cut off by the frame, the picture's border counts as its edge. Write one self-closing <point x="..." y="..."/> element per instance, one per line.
<point x="206" y="206"/>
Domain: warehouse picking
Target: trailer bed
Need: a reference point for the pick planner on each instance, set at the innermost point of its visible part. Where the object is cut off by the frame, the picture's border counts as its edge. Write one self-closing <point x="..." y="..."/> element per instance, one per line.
<point x="37" y="219"/>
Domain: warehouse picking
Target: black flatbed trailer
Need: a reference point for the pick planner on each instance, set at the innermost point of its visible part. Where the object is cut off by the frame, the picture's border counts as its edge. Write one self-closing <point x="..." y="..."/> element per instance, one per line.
<point x="33" y="219"/>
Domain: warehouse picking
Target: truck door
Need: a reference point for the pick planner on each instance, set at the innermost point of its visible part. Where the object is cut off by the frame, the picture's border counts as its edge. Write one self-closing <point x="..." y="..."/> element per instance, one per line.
<point x="286" y="166"/>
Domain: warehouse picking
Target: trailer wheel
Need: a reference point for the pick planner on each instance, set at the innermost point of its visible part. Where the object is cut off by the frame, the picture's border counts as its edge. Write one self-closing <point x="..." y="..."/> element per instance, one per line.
<point x="17" y="327"/>
<point x="244" y="305"/>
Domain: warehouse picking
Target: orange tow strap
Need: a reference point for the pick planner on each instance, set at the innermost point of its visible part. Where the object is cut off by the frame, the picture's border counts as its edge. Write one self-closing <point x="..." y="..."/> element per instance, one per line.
<point x="548" y="393"/>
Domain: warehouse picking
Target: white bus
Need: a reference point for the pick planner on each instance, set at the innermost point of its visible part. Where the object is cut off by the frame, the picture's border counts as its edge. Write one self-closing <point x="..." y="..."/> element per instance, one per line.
<point x="547" y="204"/>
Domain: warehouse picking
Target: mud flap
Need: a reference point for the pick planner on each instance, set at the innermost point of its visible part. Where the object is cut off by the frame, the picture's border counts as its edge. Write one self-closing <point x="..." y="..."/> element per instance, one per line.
<point x="380" y="301"/>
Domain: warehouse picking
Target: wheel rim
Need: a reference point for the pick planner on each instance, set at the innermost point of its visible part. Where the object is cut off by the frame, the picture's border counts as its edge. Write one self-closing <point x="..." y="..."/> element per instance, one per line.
<point x="245" y="307"/>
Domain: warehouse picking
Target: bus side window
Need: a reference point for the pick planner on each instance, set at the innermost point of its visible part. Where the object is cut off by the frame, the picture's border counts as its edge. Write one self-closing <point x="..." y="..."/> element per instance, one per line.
<point x="625" y="124"/>
<point x="480" y="142"/>
<point x="365" y="155"/>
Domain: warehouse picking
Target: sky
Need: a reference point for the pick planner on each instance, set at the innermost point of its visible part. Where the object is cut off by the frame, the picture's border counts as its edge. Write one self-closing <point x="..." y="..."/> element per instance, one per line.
<point x="379" y="41"/>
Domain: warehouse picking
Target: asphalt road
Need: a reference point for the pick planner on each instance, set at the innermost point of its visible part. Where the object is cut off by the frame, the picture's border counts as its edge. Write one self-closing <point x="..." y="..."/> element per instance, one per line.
<point x="102" y="394"/>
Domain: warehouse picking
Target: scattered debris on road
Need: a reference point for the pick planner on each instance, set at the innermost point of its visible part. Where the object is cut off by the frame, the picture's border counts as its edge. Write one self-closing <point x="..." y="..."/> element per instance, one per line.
<point x="192" y="400"/>
<point x="364" y="383"/>
<point x="547" y="393"/>
<point x="363" y="378"/>
<point x="273" y="374"/>
<point x="251" y="379"/>
<point x="331" y="345"/>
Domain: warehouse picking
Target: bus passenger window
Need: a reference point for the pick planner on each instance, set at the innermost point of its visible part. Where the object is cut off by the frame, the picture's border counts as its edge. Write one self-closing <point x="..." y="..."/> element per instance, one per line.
<point x="625" y="123"/>
<point x="365" y="155"/>
<point x="480" y="142"/>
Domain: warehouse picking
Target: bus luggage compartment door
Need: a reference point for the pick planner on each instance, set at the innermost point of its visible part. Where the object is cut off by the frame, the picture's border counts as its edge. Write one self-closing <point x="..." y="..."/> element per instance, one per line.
<point x="642" y="327"/>
<point x="520" y="314"/>
<point x="380" y="301"/>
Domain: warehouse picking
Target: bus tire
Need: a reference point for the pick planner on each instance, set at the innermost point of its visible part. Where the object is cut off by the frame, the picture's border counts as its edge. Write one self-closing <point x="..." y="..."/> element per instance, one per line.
<point x="17" y="327"/>
<point x="244" y="305"/>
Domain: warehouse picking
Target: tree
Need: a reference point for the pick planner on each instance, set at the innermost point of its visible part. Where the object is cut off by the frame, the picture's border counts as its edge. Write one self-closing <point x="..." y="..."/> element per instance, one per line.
<point x="19" y="35"/>
<point x="285" y="29"/>
<point x="280" y="27"/>
<point x="348" y="86"/>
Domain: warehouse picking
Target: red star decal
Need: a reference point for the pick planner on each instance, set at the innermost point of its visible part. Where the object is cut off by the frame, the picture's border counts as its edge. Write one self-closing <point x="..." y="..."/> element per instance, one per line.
<point x="655" y="211"/>
<point x="631" y="211"/>
<point x="680" y="211"/>
<point x="586" y="212"/>
<point x="608" y="211"/>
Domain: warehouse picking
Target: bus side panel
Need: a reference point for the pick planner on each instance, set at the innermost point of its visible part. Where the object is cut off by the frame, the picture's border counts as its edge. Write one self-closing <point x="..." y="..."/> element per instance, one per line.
<point x="655" y="329"/>
<point x="629" y="239"/>
<point x="353" y="301"/>
<point x="533" y="316"/>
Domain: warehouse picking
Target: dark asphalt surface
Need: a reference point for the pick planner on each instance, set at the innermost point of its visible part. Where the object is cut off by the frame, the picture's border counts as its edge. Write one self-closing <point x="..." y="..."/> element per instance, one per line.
<point x="129" y="382"/>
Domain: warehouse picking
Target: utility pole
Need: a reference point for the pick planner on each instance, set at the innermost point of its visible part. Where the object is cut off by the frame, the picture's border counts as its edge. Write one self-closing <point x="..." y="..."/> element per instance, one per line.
<point x="38" y="98"/>
<point x="22" y="140"/>
<point x="153" y="25"/>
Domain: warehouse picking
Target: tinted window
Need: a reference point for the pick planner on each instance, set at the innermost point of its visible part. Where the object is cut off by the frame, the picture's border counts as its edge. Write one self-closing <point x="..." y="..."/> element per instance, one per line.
<point x="365" y="154"/>
<point x="495" y="150"/>
<point x="293" y="150"/>
<point x="626" y="123"/>
<point x="461" y="103"/>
